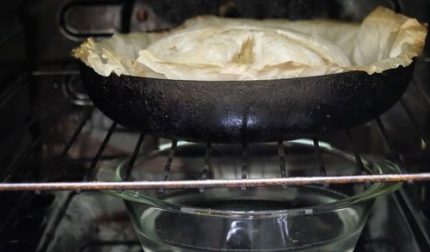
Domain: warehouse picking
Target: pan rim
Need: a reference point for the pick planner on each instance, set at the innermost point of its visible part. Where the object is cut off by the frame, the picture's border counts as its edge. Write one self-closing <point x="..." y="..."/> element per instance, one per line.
<point x="250" y="82"/>
<point x="237" y="81"/>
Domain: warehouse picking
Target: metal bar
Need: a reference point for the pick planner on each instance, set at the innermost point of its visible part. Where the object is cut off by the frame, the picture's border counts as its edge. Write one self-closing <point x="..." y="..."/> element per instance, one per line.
<point x="10" y="216"/>
<point x="10" y="35"/>
<point x="134" y="156"/>
<point x="207" y="168"/>
<point x="71" y="140"/>
<point x="103" y="157"/>
<point x="54" y="72"/>
<point x="422" y="91"/>
<point x="414" y="122"/>
<point x="23" y="153"/>
<point x="170" y="159"/>
<point x="206" y="173"/>
<point x="56" y="222"/>
<point x="354" y="149"/>
<point x="414" y="216"/>
<point x="6" y="95"/>
<point x="16" y="86"/>
<point x="384" y="134"/>
<point x="244" y="165"/>
<point x="16" y="136"/>
<point x="93" y="171"/>
<point x="319" y="155"/>
<point x="281" y="152"/>
<point x="233" y="183"/>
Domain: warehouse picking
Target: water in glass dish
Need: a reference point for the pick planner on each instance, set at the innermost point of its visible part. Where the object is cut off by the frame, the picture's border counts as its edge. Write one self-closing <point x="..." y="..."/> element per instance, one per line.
<point x="252" y="220"/>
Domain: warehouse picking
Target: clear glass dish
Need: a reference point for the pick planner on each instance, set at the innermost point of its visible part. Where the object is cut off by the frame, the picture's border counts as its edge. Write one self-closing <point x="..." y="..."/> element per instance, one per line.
<point x="293" y="218"/>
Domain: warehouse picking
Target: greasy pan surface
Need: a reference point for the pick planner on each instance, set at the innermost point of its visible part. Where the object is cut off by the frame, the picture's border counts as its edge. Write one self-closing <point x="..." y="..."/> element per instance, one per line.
<point x="252" y="111"/>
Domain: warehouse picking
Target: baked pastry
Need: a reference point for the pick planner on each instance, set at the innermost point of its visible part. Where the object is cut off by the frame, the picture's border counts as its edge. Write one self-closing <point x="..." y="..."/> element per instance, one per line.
<point x="213" y="48"/>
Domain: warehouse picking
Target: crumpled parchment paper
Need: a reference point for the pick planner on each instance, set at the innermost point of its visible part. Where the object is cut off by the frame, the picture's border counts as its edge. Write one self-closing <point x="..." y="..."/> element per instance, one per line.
<point x="213" y="48"/>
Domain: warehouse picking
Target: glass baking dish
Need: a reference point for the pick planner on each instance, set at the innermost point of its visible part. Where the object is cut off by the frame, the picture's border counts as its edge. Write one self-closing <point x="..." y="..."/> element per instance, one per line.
<point x="293" y="218"/>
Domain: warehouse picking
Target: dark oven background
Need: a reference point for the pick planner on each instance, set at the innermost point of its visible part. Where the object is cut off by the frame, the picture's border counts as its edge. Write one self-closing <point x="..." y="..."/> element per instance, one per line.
<point x="50" y="132"/>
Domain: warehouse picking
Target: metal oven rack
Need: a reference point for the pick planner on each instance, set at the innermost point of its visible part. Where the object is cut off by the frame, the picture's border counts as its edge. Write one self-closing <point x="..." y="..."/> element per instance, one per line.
<point x="82" y="111"/>
<point x="88" y="183"/>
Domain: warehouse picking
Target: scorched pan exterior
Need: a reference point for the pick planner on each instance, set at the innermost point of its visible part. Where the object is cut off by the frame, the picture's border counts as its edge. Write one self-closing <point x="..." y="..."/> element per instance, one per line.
<point x="251" y="111"/>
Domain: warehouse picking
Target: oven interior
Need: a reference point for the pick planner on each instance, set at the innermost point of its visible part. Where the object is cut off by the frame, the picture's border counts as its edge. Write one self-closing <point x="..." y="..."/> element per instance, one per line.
<point x="50" y="131"/>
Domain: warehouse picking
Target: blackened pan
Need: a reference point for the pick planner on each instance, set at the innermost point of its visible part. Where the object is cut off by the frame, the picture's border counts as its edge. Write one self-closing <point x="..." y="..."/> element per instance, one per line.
<point x="252" y="111"/>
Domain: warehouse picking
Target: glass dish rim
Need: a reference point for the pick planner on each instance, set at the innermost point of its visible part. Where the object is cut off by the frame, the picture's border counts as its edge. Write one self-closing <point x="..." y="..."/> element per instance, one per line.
<point x="373" y="164"/>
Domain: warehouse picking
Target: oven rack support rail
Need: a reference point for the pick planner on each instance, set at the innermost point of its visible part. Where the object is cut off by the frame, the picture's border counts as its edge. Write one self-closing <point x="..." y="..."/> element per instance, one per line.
<point x="197" y="184"/>
<point x="88" y="183"/>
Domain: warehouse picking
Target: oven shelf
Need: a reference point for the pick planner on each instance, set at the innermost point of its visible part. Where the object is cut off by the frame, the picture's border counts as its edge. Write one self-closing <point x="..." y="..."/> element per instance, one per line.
<point x="87" y="182"/>
<point x="198" y="184"/>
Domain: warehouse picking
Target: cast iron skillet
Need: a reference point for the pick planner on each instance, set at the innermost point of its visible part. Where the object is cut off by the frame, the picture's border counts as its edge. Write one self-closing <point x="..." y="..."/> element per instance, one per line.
<point x="252" y="111"/>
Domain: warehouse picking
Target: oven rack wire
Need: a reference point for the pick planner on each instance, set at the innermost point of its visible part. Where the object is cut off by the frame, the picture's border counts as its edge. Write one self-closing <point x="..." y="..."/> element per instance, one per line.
<point x="88" y="183"/>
